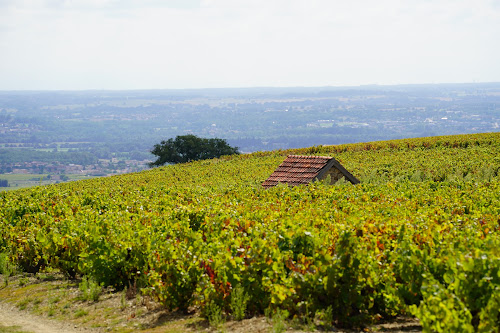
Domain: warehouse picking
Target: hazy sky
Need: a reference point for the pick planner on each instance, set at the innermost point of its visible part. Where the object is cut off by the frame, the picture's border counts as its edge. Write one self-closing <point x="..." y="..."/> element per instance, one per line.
<point x="143" y="44"/>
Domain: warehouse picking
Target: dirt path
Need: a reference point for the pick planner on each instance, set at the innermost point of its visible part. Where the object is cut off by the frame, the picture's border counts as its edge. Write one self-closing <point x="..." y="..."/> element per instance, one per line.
<point x="11" y="316"/>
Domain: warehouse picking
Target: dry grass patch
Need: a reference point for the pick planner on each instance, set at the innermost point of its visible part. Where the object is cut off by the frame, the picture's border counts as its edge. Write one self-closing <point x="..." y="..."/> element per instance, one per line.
<point x="52" y="296"/>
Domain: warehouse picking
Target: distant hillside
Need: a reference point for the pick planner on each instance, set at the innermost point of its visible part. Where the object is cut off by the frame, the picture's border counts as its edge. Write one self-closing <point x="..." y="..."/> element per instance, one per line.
<point x="420" y="236"/>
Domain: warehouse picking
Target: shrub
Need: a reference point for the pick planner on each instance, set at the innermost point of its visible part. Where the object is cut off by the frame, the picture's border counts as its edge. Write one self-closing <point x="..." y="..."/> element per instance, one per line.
<point x="239" y="299"/>
<point x="91" y="290"/>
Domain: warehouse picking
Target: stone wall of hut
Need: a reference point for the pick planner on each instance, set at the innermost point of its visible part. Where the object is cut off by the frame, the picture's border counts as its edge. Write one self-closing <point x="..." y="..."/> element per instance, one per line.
<point x="334" y="174"/>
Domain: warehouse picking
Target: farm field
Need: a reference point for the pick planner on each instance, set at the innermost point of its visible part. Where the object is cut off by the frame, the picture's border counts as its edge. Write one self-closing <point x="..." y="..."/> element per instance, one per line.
<point x="418" y="238"/>
<point x="17" y="181"/>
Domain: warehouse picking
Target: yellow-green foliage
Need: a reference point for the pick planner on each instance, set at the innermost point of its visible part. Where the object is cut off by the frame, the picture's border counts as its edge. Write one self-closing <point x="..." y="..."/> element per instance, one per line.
<point x="424" y="223"/>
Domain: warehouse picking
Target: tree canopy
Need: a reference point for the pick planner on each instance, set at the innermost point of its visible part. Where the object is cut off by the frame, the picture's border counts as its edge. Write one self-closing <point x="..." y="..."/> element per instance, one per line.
<point x="187" y="148"/>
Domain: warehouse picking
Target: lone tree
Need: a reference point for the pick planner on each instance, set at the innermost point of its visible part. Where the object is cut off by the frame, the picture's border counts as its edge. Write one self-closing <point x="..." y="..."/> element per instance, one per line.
<point x="186" y="148"/>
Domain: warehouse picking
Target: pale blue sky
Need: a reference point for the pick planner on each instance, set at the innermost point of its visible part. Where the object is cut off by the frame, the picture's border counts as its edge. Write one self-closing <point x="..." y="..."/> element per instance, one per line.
<point x="154" y="44"/>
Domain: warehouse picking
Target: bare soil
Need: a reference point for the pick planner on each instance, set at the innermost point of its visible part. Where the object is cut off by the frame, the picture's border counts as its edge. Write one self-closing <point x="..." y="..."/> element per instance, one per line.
<point x="50" y="303"/>
<point x="10" y="316"/>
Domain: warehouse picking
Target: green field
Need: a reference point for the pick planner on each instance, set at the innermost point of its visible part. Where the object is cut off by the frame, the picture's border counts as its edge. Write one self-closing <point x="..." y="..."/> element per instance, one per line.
<point x="420" y="236"/>
<point x="17" y="181"/>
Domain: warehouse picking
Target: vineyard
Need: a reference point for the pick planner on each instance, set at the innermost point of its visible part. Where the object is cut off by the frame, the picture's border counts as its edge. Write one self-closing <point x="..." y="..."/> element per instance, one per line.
<point x="420" y="236"/>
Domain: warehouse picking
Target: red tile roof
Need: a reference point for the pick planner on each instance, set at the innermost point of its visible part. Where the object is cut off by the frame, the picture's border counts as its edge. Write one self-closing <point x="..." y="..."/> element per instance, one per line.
<point x="297" y="170"/>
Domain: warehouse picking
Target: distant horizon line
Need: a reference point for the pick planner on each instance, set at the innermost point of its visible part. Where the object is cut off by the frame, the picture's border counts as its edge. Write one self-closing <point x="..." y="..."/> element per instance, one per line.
<point x="373" y="85"/>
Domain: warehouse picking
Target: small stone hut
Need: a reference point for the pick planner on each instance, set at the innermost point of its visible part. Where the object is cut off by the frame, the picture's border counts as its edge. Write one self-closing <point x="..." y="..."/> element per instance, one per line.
<point x="300" y="170"/>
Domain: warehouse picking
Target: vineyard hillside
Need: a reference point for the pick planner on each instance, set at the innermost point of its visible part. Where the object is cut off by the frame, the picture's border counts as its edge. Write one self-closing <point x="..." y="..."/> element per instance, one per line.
<point x="418" y="237"/>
